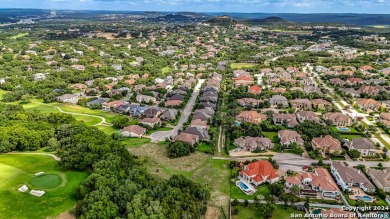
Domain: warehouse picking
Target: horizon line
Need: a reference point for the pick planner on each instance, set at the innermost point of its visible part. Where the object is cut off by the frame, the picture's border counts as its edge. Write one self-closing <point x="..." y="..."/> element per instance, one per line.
<point x="119" y="10"/>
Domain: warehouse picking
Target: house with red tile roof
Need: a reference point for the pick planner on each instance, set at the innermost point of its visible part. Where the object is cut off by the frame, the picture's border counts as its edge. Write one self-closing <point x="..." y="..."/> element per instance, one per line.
<point x="243" y="80"/>
<point x="319" y="181"/>
<point x="369" y="104"/>
<point x="366" y="68"/>
<point x="326" y="145"/>
<point x="255" y="89"/>
<point x="259" y="172"/>
<point x="353" y="81"/>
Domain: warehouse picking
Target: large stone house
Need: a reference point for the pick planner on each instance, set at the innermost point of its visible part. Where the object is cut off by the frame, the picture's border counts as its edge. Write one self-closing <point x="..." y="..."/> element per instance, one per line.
<point x="133" y="131"/>
<point x="302" y="104"/>
<point x="327" y="145"/>
<point x="289" y="120"/>
<point x="319" y="180"/>
<point x="348" y="177"/>
<point x="259" y="172"/>
<point x="287" y="137"/>
<point x="307" y="115"/>
<point x="381" y="178"/>
<point x="251" y="117"/>
<point x="278" y="99"/>
<point x="338" y="119"/>
<point x="369" y="104"/>
<point x="253" y="143"/>
<point x="363" y="145"/>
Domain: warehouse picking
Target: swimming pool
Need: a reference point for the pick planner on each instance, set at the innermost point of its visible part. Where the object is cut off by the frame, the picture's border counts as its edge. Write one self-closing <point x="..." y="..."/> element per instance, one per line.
<point x="243" y="186"/>
<point x="343" y="129"/>
<point x="364" y="198"/>
<point x="316" y="211"/>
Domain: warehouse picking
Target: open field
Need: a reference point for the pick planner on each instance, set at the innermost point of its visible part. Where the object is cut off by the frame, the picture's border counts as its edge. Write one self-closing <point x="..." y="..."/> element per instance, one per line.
<point x="19" y="35"/>
<point x="252" y="212"/>
<point x="242" y="65"/>
<point x="19" y="169"/>
<point x="198" y="166"/>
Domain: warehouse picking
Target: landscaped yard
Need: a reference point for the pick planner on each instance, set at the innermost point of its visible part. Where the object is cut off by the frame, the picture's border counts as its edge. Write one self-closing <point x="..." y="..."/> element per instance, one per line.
<point x="158" y="130"/>
<point x="350" y="136"/>
<point x="136" y="142"/>
<point x="252" y="212"/>
<point x="59" y="184"/>
<point x="204" y="147"/>
<point x="272" y="135"/>
<point x="242" y="65"/>
<point x="380" y="201"/>
<point x="236" y="193"/>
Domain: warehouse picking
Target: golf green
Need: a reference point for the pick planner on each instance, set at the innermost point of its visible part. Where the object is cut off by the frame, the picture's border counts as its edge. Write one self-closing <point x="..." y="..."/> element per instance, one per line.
<point x="46" y="181"/>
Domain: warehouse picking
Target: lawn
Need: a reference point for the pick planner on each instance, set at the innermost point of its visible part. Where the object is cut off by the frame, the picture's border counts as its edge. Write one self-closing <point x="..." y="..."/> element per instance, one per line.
<point x="380" y="201"/>
<point x="60" y="184"/>
<point x="242" y="65"/>
<point x="36" y="105"/>
<point x="272" y="135"/>
<point x="136" y="142"/>
<point x="252" y="212"/>
<point x="350" y="136"/>
<point x="236" y="193"/>
<point x="19" y="35"/>
<point x="204" y="147"/>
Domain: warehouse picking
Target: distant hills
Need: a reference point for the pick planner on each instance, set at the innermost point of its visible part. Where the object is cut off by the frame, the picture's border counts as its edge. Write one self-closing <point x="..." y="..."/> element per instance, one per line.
<point x="222" y="18"/>
<point x="268" y="20"/>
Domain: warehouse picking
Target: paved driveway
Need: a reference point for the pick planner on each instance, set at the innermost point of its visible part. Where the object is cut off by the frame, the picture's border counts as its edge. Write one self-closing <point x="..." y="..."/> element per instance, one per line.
<point x="185" y="113"/>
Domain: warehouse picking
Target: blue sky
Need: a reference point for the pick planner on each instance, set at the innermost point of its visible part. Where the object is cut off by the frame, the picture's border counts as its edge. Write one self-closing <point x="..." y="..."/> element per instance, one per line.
<point x="269" y="6"/>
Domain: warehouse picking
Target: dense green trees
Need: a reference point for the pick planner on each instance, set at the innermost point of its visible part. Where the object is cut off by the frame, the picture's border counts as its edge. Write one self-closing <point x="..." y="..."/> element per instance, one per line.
<point x="179" y="149"/>
<point x="119" y="186"/>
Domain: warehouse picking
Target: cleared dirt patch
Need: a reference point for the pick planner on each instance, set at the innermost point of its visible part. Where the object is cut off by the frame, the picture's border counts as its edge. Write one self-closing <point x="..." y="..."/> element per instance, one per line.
<point x="212" y="212"/>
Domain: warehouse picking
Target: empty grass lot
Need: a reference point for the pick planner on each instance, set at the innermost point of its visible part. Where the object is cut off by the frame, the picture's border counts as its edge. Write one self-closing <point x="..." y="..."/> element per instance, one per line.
<point x="252" y="212"/>
<point x="242" y="65"/>
<point x="198" y="166"/>
<point x="19" y="169"/>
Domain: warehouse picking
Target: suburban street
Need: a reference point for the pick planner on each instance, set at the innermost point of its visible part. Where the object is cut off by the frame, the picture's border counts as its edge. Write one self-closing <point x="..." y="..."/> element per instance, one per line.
<point x="186" y="112"/>
<point x="296" y="162"/>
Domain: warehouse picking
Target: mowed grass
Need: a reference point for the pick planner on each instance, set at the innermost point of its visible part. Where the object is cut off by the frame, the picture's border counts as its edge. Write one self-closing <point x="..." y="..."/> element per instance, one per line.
<point x="46" y="181"/>
<point x="35" y="105"/>
<point x="252" y="212"/>
<point x="19" y="169"/>
<point x="242" y="65"/>
<point x="19" y="35"/>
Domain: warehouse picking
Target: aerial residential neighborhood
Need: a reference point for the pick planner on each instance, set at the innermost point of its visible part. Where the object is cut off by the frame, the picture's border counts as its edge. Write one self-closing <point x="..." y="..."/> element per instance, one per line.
<point x="143" y="109"/>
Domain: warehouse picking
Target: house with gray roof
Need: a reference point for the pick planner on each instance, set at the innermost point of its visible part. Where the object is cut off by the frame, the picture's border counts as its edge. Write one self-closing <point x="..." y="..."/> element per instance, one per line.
<point x="348" y="177"/>
<point x="381" y="178"/>
<point x="278" y="99"/>
<point x="363" y="145"/>
<point x="202" y="133"/>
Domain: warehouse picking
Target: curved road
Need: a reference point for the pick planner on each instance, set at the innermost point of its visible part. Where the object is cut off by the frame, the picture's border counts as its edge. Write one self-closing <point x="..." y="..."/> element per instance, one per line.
<point x="103" y="122"/>
<point x="47" y="154"/>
